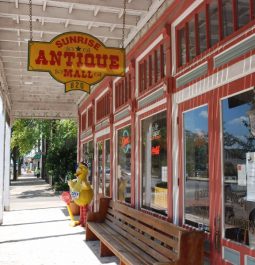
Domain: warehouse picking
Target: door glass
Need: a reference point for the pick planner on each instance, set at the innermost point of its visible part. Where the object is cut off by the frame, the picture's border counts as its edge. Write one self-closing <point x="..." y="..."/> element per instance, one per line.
<point x="124" y="164"/>
<point x="196" y="184"/>
<point x="107" y="168"/>
<point x="238" y="126"/>
<point x="154" y="163"/>
<point x="100" y="166"/>
<point x="88" y="158"/>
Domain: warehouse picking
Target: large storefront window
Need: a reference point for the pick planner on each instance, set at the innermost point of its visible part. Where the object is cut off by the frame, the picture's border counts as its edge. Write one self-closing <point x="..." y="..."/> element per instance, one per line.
<point x="196" y="184"/>
<point x="124" y="165"/>
<point x="238" y="125"/>
<point x="88" y="150"/>
<point x="154" y="163"/>
<point x="107" y="168"/>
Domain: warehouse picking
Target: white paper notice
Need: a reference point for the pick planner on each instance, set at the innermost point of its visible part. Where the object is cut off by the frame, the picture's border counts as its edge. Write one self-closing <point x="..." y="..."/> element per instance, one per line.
<point x="250" y="165"/>
<point x="164" y="174"/>
<point x="241" y="173"/>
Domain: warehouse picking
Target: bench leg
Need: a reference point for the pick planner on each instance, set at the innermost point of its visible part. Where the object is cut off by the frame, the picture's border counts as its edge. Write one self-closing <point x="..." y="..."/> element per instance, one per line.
<point x="104" y="250"/>
<point x="90" y="235"/>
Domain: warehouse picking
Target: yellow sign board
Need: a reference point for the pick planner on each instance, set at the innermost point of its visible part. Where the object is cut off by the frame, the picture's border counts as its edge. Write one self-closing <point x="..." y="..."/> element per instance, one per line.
<point x="76" y="59"/>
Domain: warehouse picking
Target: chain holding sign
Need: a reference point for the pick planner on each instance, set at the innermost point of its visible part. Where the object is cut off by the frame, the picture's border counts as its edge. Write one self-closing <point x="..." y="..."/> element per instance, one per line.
<point x="76" y="59"/>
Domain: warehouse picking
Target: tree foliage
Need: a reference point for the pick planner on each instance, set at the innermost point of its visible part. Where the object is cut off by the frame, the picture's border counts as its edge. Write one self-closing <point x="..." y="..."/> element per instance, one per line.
<point x="61" y="139"/>
<point x="25" y="135"/>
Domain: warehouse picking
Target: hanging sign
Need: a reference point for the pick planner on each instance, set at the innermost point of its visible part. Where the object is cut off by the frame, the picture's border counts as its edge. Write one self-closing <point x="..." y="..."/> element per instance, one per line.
<point x="76" y="59"/>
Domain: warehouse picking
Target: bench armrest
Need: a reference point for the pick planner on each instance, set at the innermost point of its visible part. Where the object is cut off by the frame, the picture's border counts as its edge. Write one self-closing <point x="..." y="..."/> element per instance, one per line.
<point x="100" y="215"/>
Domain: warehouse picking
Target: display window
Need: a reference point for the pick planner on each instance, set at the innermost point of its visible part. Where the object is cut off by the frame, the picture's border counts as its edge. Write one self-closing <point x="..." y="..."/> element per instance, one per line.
<point x="88" y="157"/>
<point x="100" y="167"/>
<point x="107" y="167"/>
<point x="124" y="164"/>
<point x="154" y="163"/>
<point x="238" y="136"/>
<point x="196" y="178"/>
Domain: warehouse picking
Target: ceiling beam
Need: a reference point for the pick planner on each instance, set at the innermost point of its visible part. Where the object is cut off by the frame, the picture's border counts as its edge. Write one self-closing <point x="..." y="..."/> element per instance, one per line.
<point x="54" y="29"/>
<point x="53" y="106"/>
<point x="141" y="5"/>
<point x="57" y="13"/>
<point x="44" y="115"/>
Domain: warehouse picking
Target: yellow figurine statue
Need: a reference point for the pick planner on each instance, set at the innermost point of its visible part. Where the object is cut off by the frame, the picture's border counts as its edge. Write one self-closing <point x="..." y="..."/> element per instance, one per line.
<point x="81" y="191"/>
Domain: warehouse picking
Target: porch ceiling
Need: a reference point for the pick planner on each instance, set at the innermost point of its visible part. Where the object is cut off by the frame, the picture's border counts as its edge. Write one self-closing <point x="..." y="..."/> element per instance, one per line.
<point x="37" y="94"/>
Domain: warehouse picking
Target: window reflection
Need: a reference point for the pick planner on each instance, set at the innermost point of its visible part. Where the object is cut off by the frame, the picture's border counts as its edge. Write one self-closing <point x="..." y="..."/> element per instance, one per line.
<point x="100" y="166"/>
<point x="107" y="168"/>
<point x="154" y="163"/>
<point x="182" y="48"/>
<point x="243" y="15"/>
<point x="227" y="17"/>
<point x="124" y="164"/>
<point x="196" y="185"/>
<point x="202" y="31"/>
<point x="192" y="39"/>
<point x="88" y="158"/>
<point x="214" y="22"/>
<point x="239" y="167"/>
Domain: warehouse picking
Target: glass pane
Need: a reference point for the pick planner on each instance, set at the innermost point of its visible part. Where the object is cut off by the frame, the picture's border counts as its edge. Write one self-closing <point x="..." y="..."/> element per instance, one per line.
<point x="100" y="166"/>
<point x="196" y="185"/>
<point x="182" y="47"/>
<point x="124" y="164"/>
<point x="214" y="22"/>
<point x="158" y="64"/>
<point x="154" y="163"/>
<point x="89" y="157"/>
<point x="239" y="167"/>
<point x="243" y="10"/>
<point x="202" y="31"/>
<point x="227" y="17"/>
<point x="107" y="168"/>
<point x="192" y="39"/>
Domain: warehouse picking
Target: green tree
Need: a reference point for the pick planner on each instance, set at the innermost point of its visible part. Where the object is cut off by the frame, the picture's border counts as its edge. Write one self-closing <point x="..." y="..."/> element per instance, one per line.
<point x="25" y="135"/>
<point x="61" y="144"/>
<point x="62" y="149"/>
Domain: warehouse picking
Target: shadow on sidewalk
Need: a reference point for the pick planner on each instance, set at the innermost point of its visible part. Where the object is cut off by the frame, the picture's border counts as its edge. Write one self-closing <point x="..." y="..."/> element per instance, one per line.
<point x="94" y="247"/>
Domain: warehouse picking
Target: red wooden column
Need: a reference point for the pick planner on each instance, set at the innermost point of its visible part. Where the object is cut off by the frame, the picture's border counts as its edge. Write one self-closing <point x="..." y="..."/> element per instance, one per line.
<point x="111" y="121"/>
<point x="133" y="107"/>
<point x="168" y="82"/>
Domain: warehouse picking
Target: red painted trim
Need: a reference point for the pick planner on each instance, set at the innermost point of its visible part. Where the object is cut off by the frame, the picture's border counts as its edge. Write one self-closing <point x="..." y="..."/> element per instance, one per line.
<point x="169" y="159"/>
<point x="252" y="10"/>
<point x="235" y="15"/>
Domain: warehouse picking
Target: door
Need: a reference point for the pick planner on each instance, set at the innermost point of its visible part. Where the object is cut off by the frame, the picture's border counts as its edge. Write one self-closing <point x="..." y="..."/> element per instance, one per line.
<point x="200" y="188"/>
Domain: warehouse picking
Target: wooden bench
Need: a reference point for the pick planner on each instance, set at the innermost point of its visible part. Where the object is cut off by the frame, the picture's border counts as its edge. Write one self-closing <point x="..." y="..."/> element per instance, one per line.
<point x="137" y="238"/>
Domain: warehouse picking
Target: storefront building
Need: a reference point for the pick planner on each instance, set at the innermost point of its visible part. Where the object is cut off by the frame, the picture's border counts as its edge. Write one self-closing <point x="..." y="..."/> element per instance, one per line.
<point x="175" y="137"/>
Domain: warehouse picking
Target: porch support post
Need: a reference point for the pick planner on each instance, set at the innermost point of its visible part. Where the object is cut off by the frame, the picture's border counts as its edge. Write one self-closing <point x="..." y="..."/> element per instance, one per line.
<point x="7" y="176"/>
<point x="2" y="140"/>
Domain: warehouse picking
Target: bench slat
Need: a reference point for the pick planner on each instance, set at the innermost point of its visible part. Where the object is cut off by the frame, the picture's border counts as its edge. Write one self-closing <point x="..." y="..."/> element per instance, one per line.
<point x="158" y="224"/>
<point x="173" y="243"/>
<point x="119" y="245"/>
<point x="140" y="254"/>
<point x="144" y="243"/>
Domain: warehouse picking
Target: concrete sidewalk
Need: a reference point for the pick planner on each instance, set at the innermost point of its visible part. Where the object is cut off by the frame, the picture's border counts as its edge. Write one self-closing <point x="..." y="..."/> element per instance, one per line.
<point x="36" y="231"/>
